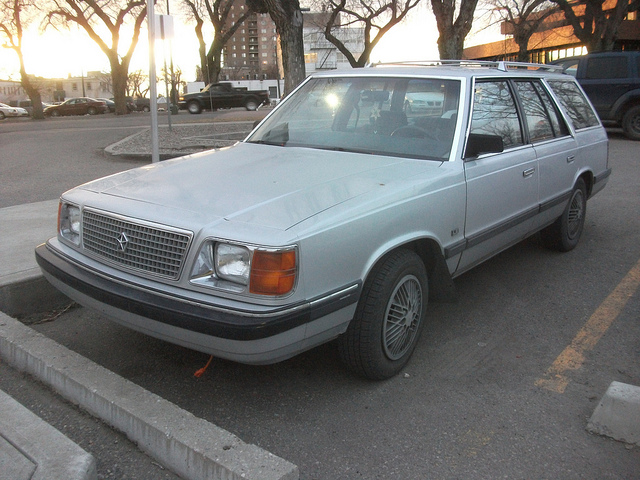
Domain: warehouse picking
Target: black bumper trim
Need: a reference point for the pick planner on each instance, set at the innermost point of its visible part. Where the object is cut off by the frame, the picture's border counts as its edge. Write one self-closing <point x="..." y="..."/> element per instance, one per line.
<point x="226" y="324"/>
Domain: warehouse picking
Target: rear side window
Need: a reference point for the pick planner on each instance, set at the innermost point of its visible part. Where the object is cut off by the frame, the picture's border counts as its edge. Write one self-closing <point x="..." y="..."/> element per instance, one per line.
<point x="607" y="67"/>
<point x="575" y="104"/>
<point x="543" y="120"/>
<point x="494" y="112"/>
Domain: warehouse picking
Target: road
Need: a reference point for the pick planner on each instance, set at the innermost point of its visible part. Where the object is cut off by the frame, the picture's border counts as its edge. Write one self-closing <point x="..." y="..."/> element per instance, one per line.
<point x="489" y="392"/>
<point x="42" y="159"/>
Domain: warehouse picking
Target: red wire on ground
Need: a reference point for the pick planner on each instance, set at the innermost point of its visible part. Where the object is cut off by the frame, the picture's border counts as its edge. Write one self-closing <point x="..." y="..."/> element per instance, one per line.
<point x="203" y="369"/>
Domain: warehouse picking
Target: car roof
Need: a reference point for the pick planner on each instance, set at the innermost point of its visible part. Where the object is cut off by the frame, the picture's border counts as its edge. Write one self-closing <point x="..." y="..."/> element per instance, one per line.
<point x="451" y="69"/>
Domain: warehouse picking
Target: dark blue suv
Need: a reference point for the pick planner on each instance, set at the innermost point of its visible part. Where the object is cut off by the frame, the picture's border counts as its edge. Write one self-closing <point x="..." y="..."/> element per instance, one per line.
<point x="612" y="82"/>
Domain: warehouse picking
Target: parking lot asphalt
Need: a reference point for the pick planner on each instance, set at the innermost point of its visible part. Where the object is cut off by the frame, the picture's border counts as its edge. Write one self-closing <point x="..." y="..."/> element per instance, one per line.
<point x="187" y="446"/>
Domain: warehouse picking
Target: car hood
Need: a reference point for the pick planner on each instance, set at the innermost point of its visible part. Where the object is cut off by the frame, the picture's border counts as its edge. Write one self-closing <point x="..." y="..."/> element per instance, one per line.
<point x="275" y="187"/>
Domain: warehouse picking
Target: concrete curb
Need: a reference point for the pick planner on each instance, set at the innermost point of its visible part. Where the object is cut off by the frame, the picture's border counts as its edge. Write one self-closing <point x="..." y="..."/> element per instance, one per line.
<point x="191" y="447"/>
<point x="34" y="450"/>
<point x="618" y="414"/>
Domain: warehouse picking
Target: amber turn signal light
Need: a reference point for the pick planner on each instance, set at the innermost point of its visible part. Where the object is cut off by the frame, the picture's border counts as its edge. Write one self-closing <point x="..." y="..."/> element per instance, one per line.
<point x="273" y="273"/>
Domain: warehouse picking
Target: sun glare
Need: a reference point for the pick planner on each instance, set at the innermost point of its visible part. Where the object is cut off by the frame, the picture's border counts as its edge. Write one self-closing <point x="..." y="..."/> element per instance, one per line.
<point x="64" y="53"/>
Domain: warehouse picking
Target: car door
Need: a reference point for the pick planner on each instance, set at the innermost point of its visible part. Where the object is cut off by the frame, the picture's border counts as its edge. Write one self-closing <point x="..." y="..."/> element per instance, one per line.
<point x="555" y="148"/>
<point x="502" y="188"/>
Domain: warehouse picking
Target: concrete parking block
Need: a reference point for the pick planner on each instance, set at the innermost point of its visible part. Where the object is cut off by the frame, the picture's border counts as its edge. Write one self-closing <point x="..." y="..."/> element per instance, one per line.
<point x="31" y="449"/>
<point x="618" y="414"/>
<point x="189" y="446"/>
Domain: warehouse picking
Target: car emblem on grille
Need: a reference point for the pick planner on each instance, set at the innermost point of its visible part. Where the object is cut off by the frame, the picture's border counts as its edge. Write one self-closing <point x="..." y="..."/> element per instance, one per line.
<point x="123" y="241"/>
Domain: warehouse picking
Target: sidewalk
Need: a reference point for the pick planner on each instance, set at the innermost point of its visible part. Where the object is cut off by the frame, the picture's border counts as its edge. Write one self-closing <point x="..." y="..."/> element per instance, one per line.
<point x="32" y="449"/>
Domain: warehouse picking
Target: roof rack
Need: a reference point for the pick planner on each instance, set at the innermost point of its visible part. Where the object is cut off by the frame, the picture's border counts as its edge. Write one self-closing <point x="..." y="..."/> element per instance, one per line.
<point x="499" y="65"/>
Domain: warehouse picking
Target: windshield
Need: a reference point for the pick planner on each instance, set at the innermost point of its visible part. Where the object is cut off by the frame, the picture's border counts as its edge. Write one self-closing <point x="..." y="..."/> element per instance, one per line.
<point x="386" y="116"/>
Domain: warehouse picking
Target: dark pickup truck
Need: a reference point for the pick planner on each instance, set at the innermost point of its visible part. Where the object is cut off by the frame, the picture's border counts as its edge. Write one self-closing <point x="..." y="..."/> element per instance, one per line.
<point x="222" y="95"/>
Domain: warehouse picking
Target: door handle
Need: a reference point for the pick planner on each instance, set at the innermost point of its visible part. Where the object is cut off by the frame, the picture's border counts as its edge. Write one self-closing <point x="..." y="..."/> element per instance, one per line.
<point x="571" y="158"/>
<point x="528" y="172"/>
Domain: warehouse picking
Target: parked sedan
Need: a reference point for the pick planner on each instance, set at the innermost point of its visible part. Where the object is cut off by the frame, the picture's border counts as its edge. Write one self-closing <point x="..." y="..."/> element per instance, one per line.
<point x="7" y="111"/>
<point x="111" y="105"/>
<point x="77" y="106"/>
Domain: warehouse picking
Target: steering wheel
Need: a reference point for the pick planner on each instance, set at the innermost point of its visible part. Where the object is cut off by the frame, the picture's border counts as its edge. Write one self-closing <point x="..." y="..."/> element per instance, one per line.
<point x="412" y="131"/>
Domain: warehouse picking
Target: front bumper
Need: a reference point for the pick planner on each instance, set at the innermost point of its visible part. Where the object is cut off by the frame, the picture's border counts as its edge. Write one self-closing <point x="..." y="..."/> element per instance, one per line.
<point x="248" y="336"/>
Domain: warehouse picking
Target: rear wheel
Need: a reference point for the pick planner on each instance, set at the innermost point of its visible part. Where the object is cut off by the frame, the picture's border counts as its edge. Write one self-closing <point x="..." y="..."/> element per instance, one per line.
<point x="194" y="107"/>
<point x="631" y="123"/>
<point x="389" y="319"/>
<point x="565" y="232"/>
<point x="251" y="104"/>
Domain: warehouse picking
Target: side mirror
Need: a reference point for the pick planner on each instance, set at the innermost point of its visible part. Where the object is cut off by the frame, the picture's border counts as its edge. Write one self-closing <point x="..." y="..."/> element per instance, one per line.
<point x="479" y="143"/>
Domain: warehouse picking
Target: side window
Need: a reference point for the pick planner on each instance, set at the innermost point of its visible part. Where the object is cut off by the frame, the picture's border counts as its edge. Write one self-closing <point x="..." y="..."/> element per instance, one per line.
<point x="575" y="103"/>
<point x="494" y="112"/>
<point x="543" y="121"/>
<point x="538" y="121"/>
<point x="560" y="128"/>
<point x="607" y="67"/>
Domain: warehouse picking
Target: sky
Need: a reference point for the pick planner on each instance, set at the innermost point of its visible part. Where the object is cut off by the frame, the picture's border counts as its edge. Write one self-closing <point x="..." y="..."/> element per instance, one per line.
<point x="63" y="53"/>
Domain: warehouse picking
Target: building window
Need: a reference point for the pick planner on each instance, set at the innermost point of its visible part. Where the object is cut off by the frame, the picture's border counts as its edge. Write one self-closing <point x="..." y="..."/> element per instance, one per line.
<point x="74" y="87"/>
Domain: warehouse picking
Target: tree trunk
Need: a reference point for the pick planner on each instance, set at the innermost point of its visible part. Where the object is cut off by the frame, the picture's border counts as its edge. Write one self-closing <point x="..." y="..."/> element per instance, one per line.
<point x="287" y="16"/>
<point x="452" y="34"/>
<point x="119" y="75"/>
<point x="32" y="90"/>
<point x="214" y="64"/>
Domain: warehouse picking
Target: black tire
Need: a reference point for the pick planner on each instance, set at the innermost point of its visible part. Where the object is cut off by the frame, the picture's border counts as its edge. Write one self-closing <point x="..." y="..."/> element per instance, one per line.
<point x="194" y="107"/>
<point x="146" y="108"/>
<point x="631" y="123"/>
<point x="2" y="116"/>
<point x="251" y="104"/>
<point x="389" y="318"/>
<point x="564" y="234"/>
<point x="55" y="113"/>
<point x="92" y="111"/>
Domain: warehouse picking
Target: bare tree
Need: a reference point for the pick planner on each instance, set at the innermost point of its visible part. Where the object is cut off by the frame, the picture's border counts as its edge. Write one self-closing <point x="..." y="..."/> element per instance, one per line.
<point x="218" y="13"/>
<point x="597" y="28"/>
<point x="376" y="17"/>
<point x="287" y="16"/>
<point x="96" y="15"/>
<point x="522" y="19"/>
<point x="135" y="82"/>
<point x="15" y="15"/>
<point x="453" y="32"/>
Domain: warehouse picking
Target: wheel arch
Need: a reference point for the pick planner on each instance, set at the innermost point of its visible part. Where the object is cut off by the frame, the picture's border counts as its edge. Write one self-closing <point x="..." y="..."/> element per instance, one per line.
<point x="588" y="178"/>
<point x="441" y="286"/>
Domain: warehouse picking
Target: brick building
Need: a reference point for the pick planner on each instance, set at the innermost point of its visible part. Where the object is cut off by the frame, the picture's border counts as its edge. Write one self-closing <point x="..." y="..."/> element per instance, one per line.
<point x="554" y="40"/>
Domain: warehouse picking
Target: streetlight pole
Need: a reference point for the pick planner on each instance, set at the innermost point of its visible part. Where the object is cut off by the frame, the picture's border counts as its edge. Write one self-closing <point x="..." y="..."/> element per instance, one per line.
<point x="153" y="94"/>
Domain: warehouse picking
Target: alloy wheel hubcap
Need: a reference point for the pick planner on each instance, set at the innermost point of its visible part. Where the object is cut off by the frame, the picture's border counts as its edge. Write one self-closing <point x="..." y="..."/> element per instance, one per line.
<point x="402" y="317"/>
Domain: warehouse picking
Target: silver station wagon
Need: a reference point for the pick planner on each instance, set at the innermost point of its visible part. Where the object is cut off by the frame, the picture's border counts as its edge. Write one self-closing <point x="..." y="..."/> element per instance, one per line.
<point x="358" y="199"/>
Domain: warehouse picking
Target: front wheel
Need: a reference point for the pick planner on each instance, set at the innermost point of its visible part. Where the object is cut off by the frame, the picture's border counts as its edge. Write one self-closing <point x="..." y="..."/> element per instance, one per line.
<point x="631" y="123"/>
<point x="389" y="318"/>
<point x="565" y="232"/>
<point x="92" y="111"/>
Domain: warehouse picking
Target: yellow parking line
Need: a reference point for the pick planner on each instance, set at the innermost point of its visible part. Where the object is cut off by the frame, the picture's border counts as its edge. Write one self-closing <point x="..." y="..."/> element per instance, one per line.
<point x="572" y="357"/>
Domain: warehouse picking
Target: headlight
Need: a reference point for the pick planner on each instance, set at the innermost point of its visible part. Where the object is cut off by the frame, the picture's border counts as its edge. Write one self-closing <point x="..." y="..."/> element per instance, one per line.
<point x="246" y="269"/>
<point x="233" y="263"/>
<point x="69" y="222"/>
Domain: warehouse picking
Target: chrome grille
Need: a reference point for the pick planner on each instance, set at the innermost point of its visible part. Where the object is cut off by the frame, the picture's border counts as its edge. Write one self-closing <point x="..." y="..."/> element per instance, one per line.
<point x="158" y="251"/>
